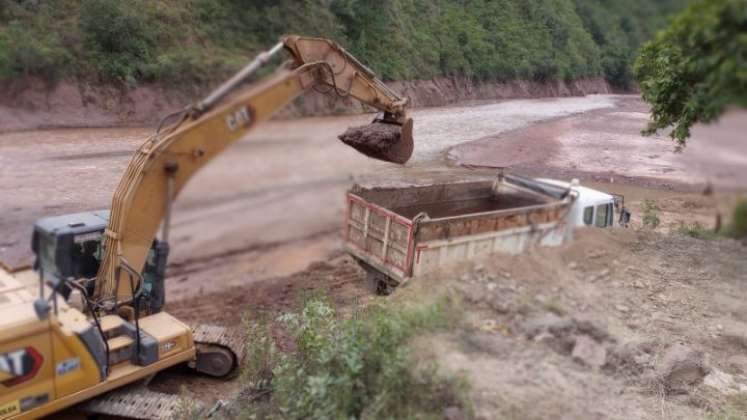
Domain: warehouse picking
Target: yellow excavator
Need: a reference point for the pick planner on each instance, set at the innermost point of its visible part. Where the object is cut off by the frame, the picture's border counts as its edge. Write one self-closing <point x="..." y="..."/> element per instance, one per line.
<point x="55" y="353"/>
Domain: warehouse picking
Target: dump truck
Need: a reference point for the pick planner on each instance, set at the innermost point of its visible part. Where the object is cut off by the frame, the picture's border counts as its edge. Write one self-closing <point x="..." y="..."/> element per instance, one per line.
<point x="594" y="208"/>
<point x="397" y="233"/>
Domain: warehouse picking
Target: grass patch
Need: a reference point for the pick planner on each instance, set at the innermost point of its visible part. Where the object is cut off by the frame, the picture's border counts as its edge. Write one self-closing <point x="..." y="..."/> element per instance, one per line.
<point x="356" y="367"/>
<point x="738" y="226"/>
<point x="650" y="214"/>
<point x="696" y="230"/>
<point x="735" y="408"/>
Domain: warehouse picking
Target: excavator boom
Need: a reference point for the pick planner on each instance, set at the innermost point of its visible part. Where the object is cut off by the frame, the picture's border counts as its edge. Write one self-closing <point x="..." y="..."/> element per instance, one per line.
<point x="162" y="166"/>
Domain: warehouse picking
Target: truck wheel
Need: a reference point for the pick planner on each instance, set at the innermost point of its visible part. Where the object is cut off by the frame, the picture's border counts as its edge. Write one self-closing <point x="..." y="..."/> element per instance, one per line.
<point x="377" y="281"/>
<point x="383" y="287"/>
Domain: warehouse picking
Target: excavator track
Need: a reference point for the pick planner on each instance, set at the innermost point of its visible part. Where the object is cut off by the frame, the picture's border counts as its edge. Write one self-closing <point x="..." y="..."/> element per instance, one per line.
<point x="137" y="402"/>
<point x="220" y="350"/>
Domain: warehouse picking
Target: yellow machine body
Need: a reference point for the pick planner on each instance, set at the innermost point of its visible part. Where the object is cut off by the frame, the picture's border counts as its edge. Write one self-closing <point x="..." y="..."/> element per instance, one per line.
<point x="54" y="355"/>
<point x="45" y="365"/>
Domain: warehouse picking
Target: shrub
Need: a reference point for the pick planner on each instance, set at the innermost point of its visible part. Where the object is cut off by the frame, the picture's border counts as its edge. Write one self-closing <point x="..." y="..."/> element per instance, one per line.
<point x="650" y="212"/>
<point x="696" y="230"/>
<point x="734" y="408"/>
<point x="119" y="41"/>
<point x="738" y="226"/>
<point x="351" y="368"/>
<point x="739" y="222"/>
<point x="25" y="53"/>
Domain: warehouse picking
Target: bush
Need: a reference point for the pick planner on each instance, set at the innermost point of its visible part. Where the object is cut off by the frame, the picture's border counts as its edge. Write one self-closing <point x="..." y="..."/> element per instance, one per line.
<point x="650" y="212"/>
<point x="193" y="42"/>
<point x="119" y="42"/>
<point x="694" y="69"/>
<point x="696" y="230"/>
<point x="352" y="368"/>
<point x="25" y="53"/>
<point x="738" y="226"/>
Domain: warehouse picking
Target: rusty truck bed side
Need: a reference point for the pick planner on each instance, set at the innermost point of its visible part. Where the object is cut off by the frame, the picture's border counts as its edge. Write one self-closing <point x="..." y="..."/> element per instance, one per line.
<point x="405" y="232"/>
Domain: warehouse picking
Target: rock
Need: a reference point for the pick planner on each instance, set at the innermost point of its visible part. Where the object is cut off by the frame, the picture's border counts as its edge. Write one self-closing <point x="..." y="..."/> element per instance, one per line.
<point x="633" y="356"/>
<point x="588" y="352"/>
<point x="500" y="306"/>
<point x="453" y="413"/>
<point x="681" y="368"/>
<point x="491" y="286"/>
<point x="547" y="323"/>
<point x="622" y="308"/>
<point x="604" y="273"/>
<point x="593" y="254"/>
<point x="738" y="362"/>
<point x="573" y="265"/>
<point x="725" y="383"/>
<point x="594" y="331"/>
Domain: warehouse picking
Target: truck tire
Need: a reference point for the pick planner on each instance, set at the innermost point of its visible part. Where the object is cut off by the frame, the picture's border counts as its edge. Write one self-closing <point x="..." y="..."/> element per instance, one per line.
<point x="377" y="281"/>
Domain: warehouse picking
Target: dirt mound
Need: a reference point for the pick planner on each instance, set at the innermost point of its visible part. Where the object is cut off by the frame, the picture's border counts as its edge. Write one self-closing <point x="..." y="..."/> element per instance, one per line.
<point x="682" y="368"/>
<point x="383" y="141"/>
<point x="586" y="330"/>
<point x="340" y="278"/>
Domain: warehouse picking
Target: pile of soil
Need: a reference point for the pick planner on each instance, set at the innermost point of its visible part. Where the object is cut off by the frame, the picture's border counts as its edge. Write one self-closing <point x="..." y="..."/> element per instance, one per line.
<point x="383" y="141"/>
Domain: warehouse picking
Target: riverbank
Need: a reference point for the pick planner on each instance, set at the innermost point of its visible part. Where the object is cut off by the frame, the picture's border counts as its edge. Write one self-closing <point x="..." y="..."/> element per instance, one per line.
<point x="36" y="106"/>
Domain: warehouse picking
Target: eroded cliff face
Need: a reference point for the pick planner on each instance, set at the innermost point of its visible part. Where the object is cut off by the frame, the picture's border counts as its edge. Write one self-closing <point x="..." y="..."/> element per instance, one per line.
<point x="67" y="104"/>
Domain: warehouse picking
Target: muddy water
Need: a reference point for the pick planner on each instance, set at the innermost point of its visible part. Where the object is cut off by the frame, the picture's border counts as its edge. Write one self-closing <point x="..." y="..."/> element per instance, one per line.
<point x="267" y="207"/>
<point x="438" y="129"/>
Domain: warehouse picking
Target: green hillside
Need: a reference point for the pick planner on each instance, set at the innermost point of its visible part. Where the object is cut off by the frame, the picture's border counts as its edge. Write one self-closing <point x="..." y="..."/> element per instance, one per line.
<point x="197" y="42"/>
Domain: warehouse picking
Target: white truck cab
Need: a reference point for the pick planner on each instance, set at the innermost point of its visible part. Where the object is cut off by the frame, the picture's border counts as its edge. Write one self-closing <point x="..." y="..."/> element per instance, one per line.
<point x="593" y="207"/>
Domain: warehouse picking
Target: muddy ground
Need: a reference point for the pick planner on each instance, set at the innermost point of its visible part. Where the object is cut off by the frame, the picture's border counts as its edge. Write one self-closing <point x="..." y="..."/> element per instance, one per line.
<point x="261" y="226"/>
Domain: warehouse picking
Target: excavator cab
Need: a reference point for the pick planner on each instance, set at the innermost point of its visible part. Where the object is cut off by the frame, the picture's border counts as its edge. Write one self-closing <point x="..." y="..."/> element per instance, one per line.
<point x="69" y="247"/>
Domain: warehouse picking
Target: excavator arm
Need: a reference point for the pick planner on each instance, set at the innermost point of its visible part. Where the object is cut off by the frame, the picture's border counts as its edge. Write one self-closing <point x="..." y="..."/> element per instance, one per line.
<point x="163" y="165"/>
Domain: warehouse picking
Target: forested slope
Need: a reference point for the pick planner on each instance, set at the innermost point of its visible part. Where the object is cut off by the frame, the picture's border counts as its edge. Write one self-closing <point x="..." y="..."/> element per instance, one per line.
<point x="194" y="43"/>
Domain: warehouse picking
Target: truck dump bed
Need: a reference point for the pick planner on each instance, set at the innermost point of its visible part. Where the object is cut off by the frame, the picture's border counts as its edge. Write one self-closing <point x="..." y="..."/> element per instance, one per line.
<point x="409" y="231"/>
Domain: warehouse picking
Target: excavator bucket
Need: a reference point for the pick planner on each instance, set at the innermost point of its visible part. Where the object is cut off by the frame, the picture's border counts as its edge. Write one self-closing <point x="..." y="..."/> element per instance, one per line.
<point x="383" y="140"/>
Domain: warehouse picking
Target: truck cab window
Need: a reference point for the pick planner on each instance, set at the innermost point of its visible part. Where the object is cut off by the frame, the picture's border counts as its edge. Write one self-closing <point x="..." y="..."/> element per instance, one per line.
<point x="588" y="215"/>
<point x="602" y="212"/>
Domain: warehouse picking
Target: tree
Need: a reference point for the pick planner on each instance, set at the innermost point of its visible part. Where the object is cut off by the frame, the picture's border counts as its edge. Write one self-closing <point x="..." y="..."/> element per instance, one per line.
<point x="696" y="67"/>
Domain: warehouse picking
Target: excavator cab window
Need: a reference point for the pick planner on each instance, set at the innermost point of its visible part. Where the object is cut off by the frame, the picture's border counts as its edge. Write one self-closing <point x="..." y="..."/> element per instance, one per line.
<point x="84" y="256"/>
<point x="70" y="246"/>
